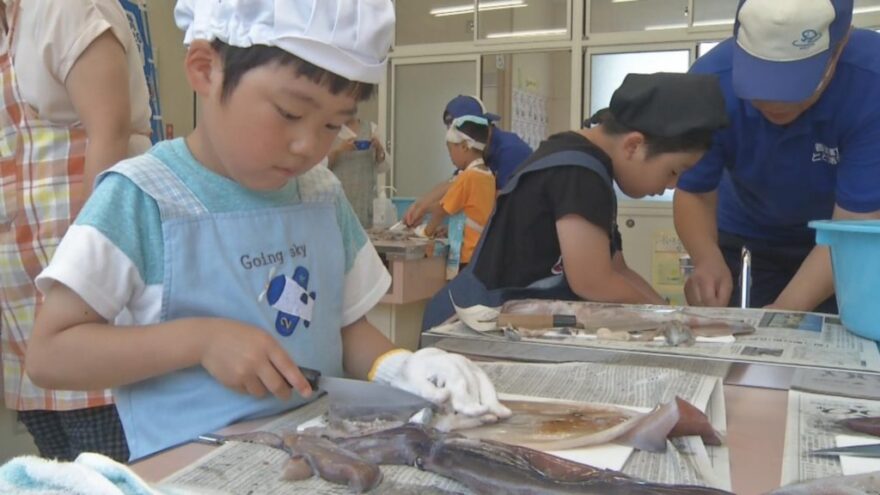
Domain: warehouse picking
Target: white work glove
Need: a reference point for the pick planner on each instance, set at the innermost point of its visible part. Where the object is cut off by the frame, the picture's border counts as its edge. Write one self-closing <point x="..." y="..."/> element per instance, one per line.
<point x="420" y="231"/>
<point x="441" y="377"/>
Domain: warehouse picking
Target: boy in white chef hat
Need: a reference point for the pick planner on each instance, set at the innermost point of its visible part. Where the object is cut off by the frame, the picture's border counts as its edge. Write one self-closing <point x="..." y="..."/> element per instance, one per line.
<point x="201" y="275"/>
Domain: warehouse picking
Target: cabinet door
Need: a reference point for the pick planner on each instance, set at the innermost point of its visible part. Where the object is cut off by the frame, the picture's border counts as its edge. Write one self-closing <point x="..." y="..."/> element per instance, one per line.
<point x="14" y="438"/>
<point x="421" y="91"/>
<point x="651" y="247"/>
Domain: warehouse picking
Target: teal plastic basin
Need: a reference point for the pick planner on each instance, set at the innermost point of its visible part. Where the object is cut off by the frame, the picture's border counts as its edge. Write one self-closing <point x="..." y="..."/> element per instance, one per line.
<point x="855" y="259"/>
<point x="402" y="204"/>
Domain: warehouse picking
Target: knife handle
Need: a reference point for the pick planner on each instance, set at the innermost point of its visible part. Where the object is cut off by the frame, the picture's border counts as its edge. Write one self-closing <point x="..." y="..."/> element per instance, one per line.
<point x="312" y="376"/>
<point x="536" y="321"/>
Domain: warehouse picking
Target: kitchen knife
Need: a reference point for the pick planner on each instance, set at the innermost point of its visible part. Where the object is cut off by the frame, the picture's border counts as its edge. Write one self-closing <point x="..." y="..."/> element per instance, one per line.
<point x="362" y="393"/>
<point x="870" y="450"/>
<point x="536" y="321"/>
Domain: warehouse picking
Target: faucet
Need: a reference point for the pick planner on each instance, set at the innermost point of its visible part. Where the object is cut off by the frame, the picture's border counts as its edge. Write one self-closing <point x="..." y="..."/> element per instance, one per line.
<point x="745" y="277"/>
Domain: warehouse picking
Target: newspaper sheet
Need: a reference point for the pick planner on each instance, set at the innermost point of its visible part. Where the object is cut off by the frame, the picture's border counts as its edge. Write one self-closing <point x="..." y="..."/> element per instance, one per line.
<point x="781" y="337"/>
<point x="812" y="423"/>
<point x="843" y="383"/>
<point x="246" y="468"/>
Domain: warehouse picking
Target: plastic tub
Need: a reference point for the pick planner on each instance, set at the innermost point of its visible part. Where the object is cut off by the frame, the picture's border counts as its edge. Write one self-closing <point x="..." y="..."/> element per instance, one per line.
<point x="402" y="204"/>
<point x="855" y="258"/>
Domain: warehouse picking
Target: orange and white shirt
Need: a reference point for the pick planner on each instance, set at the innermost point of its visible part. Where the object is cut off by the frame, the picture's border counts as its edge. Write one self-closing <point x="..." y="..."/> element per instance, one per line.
<point x="473" y="193"/>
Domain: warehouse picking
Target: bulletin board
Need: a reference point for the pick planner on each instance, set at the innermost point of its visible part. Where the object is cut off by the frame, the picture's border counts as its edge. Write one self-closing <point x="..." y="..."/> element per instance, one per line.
<point x="666" y="274"/>
<point x="529" y="119"/>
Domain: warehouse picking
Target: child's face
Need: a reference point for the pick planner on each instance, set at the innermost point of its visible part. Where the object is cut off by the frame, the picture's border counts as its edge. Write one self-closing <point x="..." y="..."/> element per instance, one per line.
<point x="639" y="176"/>
<point x="461" y="154"/>
<point x="275" y="125"/>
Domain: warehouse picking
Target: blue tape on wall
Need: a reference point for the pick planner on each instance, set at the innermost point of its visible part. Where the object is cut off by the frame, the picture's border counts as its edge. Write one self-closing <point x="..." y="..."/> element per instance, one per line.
<point x="136" y="11"/>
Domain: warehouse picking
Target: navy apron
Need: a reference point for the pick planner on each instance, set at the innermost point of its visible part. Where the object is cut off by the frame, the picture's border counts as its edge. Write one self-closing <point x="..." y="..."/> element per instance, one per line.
<point x="467" y="290"/>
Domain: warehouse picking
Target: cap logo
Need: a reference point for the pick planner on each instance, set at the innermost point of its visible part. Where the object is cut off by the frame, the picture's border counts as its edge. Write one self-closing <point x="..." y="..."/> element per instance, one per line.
<point x="809" y="37"/>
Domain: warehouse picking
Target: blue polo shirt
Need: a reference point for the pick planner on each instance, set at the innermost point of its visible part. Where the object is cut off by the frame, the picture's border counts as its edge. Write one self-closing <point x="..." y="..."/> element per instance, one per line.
<point x="771" y="179"/>
<point x="506" y="151"/>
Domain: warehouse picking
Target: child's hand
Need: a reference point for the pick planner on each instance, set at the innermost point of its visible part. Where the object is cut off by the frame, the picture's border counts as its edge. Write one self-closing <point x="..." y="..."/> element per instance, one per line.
<point x="379" y="149"/>
<point x="248" y="360"/>
<point x="414" y="214"/>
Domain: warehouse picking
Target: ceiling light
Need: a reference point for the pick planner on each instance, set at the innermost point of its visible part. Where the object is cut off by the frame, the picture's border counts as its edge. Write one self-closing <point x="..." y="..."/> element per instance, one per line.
<point x="865" y="10"/>
<point x="469" y="9"/>
<point x="521" y="34"/>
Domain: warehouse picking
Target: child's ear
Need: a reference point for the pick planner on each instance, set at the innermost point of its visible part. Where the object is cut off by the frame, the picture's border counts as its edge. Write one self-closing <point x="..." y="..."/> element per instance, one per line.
<point x="203" y="67"/>
<point x="631" y="142"/>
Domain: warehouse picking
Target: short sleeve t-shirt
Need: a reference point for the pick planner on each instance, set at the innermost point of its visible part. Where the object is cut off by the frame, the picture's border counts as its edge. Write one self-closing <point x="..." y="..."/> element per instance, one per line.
<point x="472" y="193"/>
<point x="49" y="39"/>
<point x="521" y="245"/>
<point x="113" y="256"/>
<point x="772" y="180"/>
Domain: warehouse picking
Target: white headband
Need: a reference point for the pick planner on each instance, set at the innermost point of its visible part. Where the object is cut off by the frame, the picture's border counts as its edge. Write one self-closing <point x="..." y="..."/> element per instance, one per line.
<point x="454" y="135"/>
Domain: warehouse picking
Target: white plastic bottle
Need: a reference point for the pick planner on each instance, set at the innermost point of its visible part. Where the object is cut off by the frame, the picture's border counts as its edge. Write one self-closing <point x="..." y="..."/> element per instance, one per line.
<point x="384" y="211"/>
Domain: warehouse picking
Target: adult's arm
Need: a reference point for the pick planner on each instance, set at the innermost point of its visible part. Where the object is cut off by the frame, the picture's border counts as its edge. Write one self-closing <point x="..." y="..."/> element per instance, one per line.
<point x="97" y="85"/>
<point x="814" y="280"/>
<point x="711" y="283"/>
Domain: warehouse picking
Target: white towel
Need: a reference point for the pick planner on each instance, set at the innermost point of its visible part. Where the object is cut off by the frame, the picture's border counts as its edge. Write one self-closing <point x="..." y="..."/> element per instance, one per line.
<point x="89" y="474"/>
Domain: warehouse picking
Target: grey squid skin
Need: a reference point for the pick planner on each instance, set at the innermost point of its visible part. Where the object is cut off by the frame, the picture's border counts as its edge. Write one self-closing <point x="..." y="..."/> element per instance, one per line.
<point x="488" y="467"/>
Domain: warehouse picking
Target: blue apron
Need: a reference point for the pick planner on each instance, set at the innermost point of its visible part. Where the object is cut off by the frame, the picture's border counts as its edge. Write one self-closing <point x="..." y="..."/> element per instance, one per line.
<point x="280" y="269"/>
<point x="467" y="290"/>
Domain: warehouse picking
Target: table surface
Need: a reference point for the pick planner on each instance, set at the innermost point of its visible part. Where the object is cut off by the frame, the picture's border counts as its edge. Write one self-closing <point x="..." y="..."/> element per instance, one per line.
<point x="755" y="425"/>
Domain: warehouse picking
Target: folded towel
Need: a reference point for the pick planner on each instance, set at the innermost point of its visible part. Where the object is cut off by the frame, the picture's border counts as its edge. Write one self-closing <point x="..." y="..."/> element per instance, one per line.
<point x="89" y="474"/>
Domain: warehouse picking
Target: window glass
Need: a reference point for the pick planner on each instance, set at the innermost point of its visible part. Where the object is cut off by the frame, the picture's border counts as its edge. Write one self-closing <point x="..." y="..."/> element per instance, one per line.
<point x="530" y="91"/>
<point x="607" y="71"/>
<point x="421" y="160"/>
<point x="433" y="21"/>
<point x="610" y="16"/>
<point x="714" y="13"/>
<point x="866" y="6"/>
<point x="505" y="20"/>
<point x="704" y="47"/>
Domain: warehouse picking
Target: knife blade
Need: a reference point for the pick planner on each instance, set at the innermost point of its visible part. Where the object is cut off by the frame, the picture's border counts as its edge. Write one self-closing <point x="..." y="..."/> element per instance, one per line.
<point x="363" y="393"/>
<point x="869" y="450"/>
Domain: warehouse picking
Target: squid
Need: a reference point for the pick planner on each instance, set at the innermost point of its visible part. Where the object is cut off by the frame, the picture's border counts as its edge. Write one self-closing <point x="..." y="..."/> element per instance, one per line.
<point x="676" y="326"/>
<point x="871" y="426"/>
<point x="556" y="425"/>
<point x="489" y="467"/>
<point x="857" y="484"/>
<point x="483" y="466"/>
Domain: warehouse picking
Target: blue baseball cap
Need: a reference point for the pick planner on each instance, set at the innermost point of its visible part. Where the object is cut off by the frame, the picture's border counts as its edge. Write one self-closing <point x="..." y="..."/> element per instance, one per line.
<point x="783" y="47"/>
<point x="463" y="105"/>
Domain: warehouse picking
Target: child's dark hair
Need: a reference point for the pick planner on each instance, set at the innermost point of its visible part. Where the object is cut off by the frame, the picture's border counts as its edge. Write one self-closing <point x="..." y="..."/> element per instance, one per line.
<point x="237" y="61"/>
<point x="699" y="140"/>
<point x="479" y="133"/>
<point x="597" y="118"/>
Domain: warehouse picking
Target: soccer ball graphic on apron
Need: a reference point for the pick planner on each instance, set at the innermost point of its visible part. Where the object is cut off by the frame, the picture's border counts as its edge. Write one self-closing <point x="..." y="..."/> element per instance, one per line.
<point x="290" y="296"/>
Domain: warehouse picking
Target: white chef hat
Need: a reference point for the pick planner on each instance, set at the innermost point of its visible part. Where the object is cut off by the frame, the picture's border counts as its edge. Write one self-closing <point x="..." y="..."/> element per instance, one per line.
<point x="347" y="37"/>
